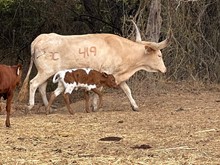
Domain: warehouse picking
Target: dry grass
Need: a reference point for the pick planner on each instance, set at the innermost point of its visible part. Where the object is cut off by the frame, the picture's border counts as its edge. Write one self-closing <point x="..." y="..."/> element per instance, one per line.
<point x="174" y="126"/>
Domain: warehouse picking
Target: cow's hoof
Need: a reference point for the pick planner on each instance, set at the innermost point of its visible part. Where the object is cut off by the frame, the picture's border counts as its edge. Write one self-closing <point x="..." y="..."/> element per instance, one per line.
<point x="49" y="110"/>
<point x="71" y="112"/>
<point x="7" y="124"/>
<point x="26" y="111"/>
<point x="94" y="108"/>
<point x="136" y="109"/>
<point x="29" y="107"/>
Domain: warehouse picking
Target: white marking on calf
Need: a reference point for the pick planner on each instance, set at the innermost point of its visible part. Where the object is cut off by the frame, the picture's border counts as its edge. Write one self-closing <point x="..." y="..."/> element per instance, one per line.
<point x="69" y="87"/>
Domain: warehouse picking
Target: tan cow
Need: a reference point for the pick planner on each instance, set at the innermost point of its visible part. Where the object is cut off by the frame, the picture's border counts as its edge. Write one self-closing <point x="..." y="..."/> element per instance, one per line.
<point x="108" y="53"/>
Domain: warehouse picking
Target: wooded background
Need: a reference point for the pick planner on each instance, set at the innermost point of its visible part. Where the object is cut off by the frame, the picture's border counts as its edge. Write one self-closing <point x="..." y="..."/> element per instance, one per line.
<point x="193" y="55"/>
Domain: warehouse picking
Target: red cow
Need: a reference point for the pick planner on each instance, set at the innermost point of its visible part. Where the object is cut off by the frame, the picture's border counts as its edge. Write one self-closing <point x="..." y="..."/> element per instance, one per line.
<point x="10" y="77"/>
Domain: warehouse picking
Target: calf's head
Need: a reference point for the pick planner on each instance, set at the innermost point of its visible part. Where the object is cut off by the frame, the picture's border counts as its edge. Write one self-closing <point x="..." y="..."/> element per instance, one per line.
<point x="108" y="80"/>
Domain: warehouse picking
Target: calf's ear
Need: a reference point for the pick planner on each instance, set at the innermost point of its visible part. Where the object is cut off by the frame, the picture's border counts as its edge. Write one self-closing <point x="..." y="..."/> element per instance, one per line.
<point x="104" y="74"/>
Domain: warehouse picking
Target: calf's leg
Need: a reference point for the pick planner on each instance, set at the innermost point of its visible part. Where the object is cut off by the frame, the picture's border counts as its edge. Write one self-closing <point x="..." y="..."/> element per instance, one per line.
<point x="98" y="92"/>
<point x="95" y="100"/>
<point x="52" y="97"/>
<point x="54" y="94"/>
<point x="67" y="101"/>
<point x="87" y="101"/>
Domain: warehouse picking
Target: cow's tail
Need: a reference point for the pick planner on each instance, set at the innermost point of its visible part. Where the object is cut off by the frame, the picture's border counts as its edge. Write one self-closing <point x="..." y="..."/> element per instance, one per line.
<point x="24" y="89"/>
<point x="56" y="77"/>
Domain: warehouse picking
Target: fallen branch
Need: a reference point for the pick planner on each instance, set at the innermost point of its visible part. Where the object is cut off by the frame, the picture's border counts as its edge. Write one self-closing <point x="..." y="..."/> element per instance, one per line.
<point x="208" y="130"/>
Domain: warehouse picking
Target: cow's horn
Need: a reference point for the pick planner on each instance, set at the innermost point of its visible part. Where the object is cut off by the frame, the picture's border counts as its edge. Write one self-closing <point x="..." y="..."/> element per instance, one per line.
<point x="153" y="45"/>
<point x="160" y="45"/>
<point x="164" y="43"/>
<point x="138" y="35"/>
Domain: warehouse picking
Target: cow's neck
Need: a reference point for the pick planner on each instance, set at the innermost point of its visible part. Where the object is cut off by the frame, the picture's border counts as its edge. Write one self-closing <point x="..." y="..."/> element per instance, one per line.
<point x="135" y="61"/>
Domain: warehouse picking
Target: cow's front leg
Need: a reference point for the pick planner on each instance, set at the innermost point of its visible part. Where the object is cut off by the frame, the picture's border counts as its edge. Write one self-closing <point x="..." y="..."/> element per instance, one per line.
<point x="8" y="109"/>
<point x="127" y="91"/>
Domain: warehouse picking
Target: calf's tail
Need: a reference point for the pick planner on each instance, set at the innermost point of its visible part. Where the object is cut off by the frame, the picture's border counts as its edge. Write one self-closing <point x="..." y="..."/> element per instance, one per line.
<point x="56" y="77"/>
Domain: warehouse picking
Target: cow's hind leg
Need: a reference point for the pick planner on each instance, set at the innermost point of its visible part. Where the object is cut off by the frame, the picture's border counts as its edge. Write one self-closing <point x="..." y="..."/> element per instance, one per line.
<point x="34" y="84"/>
<point x="127" y="91"/>
<point x="42" y="90"/>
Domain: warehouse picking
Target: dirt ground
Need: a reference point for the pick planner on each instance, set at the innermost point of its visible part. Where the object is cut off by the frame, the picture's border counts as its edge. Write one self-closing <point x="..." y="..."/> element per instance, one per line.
<point x="176" y="124"/>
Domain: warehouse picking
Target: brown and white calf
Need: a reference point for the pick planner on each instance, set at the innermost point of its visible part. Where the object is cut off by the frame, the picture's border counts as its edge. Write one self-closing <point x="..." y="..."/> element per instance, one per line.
<point x="10" y="77"/>
<point x="72" y="79"/>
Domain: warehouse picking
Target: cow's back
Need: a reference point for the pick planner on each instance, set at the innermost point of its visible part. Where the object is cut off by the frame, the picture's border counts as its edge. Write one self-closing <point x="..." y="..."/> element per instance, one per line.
<point x="53" y="52"/>
<point x="7" y="76"/>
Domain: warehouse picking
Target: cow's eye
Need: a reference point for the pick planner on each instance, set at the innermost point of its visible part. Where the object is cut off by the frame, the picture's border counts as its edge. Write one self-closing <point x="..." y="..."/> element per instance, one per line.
<point x="159" y="55"/>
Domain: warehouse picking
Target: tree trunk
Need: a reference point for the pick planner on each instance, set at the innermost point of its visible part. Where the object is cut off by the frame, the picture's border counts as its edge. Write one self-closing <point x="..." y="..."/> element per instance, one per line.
<point x="154" y="21"/>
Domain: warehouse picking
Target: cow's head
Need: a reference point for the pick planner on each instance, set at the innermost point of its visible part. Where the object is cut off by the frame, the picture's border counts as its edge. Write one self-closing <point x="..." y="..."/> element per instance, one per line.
<point x="153" y="55"/>
<point x="153" y="59"/>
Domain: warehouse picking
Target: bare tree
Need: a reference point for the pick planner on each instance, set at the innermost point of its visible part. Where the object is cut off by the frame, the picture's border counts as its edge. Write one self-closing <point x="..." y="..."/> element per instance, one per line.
<point x="154" y="21"/>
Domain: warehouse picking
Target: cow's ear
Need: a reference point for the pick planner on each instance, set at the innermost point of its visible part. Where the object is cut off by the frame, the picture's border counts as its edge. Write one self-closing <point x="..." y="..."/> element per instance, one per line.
<point x="18" y="71"/>
<point x="148" y="49"/>
<point x="19" y="67"/>
<point x="104" y="74"/>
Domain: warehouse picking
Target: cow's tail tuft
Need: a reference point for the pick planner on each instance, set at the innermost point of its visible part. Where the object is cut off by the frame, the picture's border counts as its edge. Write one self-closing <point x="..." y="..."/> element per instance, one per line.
<point x="24" y="89"/>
